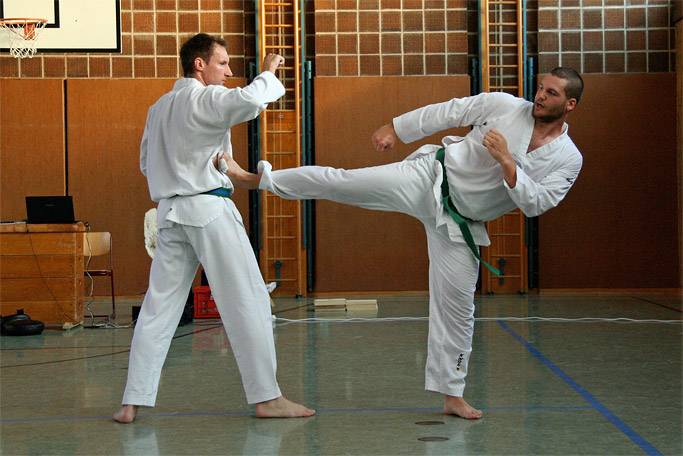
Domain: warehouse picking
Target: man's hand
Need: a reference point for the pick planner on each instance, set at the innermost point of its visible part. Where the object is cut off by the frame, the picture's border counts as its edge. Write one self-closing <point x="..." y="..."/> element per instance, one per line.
<point x="384" y="138"/>
<point x="497" y="146"/>
<point x="237" y="175"/>
<point x="271" y="62"/>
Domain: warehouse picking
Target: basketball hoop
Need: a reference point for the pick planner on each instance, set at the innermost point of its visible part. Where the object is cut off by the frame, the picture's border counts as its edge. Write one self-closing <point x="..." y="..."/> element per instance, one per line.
<point x="23" y="33"/>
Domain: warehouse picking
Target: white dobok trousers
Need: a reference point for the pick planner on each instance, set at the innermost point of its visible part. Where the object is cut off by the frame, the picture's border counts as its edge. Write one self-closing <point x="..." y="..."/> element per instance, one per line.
<point x="237" y="286"/>
<point x="406" y="187"/>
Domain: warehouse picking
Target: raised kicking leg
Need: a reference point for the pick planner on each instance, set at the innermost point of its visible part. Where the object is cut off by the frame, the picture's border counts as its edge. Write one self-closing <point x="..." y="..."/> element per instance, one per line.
<point x="404" y="186"/>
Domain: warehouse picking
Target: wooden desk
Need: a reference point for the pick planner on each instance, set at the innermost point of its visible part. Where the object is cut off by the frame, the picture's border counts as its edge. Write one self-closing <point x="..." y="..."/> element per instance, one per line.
<point x="41" y="271"/>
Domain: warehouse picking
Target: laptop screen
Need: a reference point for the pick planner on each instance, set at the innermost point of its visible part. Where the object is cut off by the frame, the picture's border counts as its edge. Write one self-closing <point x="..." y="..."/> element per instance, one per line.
<point x="49" y="209"/>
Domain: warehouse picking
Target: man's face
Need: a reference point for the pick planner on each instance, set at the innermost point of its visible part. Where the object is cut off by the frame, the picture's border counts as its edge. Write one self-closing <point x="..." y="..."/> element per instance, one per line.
<point x="551" y="102"/>
<point x="217" y="70"/>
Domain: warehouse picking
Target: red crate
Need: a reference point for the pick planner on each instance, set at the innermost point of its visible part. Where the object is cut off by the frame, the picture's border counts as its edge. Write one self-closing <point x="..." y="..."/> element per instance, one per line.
<point x="204" y="305"/>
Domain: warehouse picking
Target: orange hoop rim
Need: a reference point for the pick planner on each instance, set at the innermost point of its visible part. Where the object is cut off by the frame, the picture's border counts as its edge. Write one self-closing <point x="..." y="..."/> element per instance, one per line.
<point x="22" y="21"/>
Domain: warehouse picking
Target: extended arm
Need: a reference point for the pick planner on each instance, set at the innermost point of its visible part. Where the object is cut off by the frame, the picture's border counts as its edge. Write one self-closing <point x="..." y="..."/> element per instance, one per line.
<point x="233" y="106"/>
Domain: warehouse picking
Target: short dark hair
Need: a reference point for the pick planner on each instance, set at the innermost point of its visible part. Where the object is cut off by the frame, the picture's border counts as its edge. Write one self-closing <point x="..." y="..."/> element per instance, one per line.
<point x="574" y="87"/>
<point x="201" y="45"/>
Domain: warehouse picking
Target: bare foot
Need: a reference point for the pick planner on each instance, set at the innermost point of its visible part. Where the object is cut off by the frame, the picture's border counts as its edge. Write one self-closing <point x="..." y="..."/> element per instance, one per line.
<point x="238" y="176"/>
<point x="457" y="406"/>
<point x="282" y="408"/>
<point x="126" y="414"/>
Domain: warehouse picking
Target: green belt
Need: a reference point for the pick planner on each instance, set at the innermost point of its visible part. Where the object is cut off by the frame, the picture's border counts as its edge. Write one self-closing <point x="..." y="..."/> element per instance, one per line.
<point x="459" y="219"/>
<point x="221" y="191"/>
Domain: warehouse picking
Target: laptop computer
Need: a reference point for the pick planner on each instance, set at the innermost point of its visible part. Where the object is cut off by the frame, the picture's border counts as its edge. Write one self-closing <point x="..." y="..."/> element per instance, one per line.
<point x="49" y="209"/>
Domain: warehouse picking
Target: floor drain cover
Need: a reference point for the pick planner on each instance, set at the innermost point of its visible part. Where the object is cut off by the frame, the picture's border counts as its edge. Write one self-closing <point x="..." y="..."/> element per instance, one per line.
<point x="429" y="423"/>
<point x="433" y="439"/>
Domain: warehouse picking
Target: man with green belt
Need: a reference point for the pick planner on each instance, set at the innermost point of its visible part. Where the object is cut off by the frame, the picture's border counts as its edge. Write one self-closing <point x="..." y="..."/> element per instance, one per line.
<point x="517" y="155"/>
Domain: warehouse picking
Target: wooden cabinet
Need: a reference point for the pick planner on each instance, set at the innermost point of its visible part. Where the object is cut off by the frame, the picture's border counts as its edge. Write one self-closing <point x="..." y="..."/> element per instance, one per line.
<point x="41" y="271"/>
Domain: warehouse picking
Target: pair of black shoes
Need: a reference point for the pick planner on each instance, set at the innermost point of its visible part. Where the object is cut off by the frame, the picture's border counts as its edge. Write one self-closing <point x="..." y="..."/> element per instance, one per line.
<point x="20" y="324"/>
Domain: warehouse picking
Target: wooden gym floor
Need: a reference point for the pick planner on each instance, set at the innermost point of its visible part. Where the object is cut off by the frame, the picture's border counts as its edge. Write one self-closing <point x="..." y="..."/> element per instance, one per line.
<point x="547" y="387"/>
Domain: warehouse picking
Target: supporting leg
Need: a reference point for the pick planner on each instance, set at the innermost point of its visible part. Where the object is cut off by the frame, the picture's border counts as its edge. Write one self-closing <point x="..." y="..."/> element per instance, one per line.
<point x="244" y="305"/>
<point x="453" y="273"/>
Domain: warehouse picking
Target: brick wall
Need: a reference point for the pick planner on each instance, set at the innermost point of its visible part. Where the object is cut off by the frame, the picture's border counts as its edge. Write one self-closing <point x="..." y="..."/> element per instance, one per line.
<point x="377" y="38"/>
<point x="606" y="36"/>
<point x="391" y="37"/>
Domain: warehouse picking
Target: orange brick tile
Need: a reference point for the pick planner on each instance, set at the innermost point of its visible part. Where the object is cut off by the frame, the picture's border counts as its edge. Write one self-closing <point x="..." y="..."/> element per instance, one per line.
<point x="233" y="22"/>
<point x="168" y="67"/>
<point x="188" y="5"/>
<point x="391" y="43"/>
<point x="369" y="44"/>
<point x="326" y="44"/>
<point x="122" y="67"/>
<point x="347" y="22"/>
<point x="139" y="5"/>
<point x="76" y="67"/>
<point x="326" y="66"/>
<point x="31" y="68"/>
<point x="143" y="45"/>
<point x="210" y="22"/>
<point x="435" y="43"/>
<point x="391" y="21"/>
<point x="368" y="21"/>
<point x="413" y="43"/>
<point x="166" y="5"/>
<point x="167" y="22"/>
<point x="143" y="22"/>
<point x="347" y="44"/>
<point x="370" y="65"/>
<point x="99" y="67"/>
<point x="144" y="67"/>
<point x="9" y="67"/>
<point x="54" y="67"/>
<point x="347" y="65"/>
<point x="188" y="23"/>
<point x="412" y="21"/>
<point x="167" y="45"/>
<point x="435" y="64"/>
<point x="413" y="64"/>
<point x="392" y="65"/>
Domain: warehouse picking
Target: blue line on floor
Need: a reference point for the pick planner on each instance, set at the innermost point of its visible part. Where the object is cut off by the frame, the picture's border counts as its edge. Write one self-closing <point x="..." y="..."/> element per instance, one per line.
<point x="167" y="415"/>
<point x="623" y="427"/>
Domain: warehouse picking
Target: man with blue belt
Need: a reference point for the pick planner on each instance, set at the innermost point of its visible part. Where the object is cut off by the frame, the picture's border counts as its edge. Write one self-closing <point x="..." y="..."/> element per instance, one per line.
<point x="517" y="155"/>
<point x="186" y="131"/>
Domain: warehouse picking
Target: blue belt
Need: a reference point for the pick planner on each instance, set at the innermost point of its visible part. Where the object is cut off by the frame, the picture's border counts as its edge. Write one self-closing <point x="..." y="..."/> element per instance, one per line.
<point x="455" y="215"/>
<point x="221" y="191"/>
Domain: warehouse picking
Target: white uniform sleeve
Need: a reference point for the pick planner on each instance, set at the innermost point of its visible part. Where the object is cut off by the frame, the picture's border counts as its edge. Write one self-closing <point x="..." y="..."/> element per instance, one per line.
<point x="233" y="106"/>
<point x="458" y="112"/>
<point x="535" y="198"/>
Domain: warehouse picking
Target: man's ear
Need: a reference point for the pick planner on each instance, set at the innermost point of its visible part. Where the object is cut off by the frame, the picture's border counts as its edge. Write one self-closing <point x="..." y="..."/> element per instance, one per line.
<point x="199" y="64"/>
<point x="571" y="104"/>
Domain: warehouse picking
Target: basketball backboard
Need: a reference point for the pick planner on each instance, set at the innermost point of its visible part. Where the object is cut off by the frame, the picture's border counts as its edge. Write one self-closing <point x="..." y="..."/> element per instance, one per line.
<point x="72" y="25"/>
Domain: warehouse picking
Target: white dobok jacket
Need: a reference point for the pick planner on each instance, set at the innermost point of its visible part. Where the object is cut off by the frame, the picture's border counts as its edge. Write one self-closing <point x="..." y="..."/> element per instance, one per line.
<point x="477" y="186"/>
<point x="185" y="129"/>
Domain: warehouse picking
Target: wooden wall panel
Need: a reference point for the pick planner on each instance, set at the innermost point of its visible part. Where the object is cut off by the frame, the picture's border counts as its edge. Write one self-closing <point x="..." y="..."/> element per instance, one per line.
<point x="106" y="119"/>
<point x="618" y="226"/>
<point x="31" y="143"/>
<point x="358" y="250"/>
